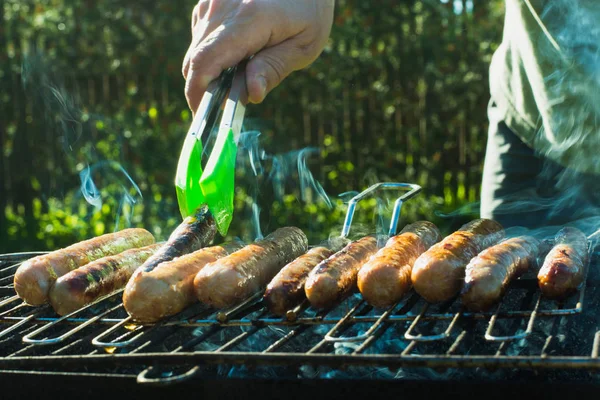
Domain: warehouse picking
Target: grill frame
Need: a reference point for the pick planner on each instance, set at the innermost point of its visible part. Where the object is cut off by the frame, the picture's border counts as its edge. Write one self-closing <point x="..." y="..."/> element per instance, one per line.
<point x="152" y="363"/>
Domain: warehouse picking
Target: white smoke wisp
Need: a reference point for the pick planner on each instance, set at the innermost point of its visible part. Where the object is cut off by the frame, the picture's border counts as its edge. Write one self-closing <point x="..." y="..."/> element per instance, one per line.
<point x="274" y="177"/>
<point x="116" y="183"/>
<point x="570" y="130"/>
<point x="101" y="178"/>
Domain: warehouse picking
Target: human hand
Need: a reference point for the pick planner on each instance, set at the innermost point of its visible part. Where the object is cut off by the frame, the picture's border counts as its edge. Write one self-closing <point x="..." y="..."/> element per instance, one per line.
<point x="282" y="36"/>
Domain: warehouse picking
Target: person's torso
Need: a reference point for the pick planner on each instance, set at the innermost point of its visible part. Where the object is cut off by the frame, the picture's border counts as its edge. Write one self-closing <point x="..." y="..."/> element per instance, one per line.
<point x="545" y="76"/>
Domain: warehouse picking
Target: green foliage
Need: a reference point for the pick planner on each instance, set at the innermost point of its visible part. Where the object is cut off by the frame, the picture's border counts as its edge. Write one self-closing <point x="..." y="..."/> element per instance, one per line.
<point x="399" y="94"/>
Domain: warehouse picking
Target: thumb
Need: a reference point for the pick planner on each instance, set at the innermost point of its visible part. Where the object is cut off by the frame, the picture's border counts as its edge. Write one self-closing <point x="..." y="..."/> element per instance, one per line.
<point x="271" y="66"/>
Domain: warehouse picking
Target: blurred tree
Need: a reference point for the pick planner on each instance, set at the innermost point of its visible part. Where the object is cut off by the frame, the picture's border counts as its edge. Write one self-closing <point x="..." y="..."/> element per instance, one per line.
<point x="93" y="116"/>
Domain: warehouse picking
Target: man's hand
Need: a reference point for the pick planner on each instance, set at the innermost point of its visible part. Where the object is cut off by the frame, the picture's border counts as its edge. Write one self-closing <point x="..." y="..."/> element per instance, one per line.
<point x="282" y="35"/>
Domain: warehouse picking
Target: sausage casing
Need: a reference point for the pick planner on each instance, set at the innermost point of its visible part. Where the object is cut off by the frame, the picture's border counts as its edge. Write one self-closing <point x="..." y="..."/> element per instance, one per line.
<point x="34" y="278"/>
<point x="169" y="288"/>
<point x="85" y="284"/>
<point x="286" y="290"/>
<point x="245" y="272"/>
<point x="385" y="278"/>
<point x="438" y="274"/>
<point x="488" y="274"/>
<point x="195" y="232"/>
<point x="563" y="270"/>
<point x="335" y="277"/>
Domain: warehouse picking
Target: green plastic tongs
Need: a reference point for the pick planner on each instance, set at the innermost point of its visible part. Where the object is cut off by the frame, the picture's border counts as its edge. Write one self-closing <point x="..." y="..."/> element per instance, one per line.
<point x="213" y="184"/>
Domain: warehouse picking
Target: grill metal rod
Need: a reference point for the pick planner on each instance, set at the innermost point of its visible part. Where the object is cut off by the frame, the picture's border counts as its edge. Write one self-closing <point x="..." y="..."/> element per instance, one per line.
<point x="299" y="359"/>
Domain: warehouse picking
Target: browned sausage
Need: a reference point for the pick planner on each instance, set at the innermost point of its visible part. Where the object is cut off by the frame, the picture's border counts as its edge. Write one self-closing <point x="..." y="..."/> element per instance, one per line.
<point x="564" y="267"/>
<point x="385" y="278"/>
<point x="286" y="290"/>
<point x="34" y="277"/>
<point x="335" y="278"/>
<point x="85" y="284"/>
<point x="488" y="275"/>
<point x="169" y="288"/>
<point x="195" y="232"/>
<point x="245" y="272"/>
<point x="438" y="274"/>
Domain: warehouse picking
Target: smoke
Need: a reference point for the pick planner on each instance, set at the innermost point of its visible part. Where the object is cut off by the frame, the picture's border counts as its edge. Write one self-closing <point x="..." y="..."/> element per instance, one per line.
<point x="308" y="185"/>
<point x="551" y="181"/>
<point x="103" y="181"/>
<point x="271" y="178"/>
<point x="290" y="172"/>
<point x="287" y="181"/>
<point x="569" y="105"/>
<point x="116" y="180"/>
<point x="569" y="61"/>
<point x="251" y="155"/>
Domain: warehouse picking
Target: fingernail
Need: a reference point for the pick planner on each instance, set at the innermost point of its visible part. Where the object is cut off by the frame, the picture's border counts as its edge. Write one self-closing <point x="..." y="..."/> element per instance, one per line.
<point x="262" y="86"/>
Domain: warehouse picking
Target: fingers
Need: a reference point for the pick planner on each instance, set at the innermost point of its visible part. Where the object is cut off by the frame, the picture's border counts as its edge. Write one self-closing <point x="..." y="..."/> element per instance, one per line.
<point x="271" y="66"/>
<point x="282" y="37"/>
<point x="223" y="48"/>
<point x="200" y="24"/>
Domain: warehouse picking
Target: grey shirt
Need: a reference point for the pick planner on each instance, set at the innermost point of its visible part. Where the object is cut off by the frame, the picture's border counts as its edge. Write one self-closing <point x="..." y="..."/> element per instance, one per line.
<point x="545" y="78"/>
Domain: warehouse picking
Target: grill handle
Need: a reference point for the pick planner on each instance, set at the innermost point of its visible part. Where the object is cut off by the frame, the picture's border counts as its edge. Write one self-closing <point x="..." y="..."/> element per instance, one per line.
<point x="413" y="189"/>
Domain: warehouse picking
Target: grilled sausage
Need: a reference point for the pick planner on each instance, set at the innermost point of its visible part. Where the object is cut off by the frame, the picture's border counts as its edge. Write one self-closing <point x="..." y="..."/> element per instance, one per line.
<point x="385" y="278"/>
<point x="34" y="277"/>
<point x="488" y="275"/>
<point x="564" y="267"/>
<point x="85" y="284"/>
<point x="245" y="272"/>
<point x="335" y="278"/>
<point x="169" y="288"/>
<point x="438" y="274"/>
<point x="286" y="290"/>
<point x="195" y="232"/>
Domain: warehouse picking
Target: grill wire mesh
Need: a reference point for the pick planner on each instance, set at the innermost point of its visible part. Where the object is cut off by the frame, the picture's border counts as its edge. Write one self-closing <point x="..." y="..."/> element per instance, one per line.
<point x="524" y="333"/>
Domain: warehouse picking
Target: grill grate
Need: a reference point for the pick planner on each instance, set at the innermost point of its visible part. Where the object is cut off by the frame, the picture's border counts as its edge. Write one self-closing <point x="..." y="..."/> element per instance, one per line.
<point x="524" y="331"/>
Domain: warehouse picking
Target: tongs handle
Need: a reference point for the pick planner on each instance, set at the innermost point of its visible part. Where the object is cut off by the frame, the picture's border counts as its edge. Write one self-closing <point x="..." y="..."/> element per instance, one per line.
<point x="209" y="106"/>
<point x="218" y="178"/>
<point x="235" y="105"/>
<point x="213" y="184"/>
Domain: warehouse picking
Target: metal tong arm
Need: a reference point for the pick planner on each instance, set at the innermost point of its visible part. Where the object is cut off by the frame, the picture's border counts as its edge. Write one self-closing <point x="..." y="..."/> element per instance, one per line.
<point x="208" y="109"/>
<point x="235" y="104"/>
<point x="229" y="92"/>
<point x="414" y="189"/>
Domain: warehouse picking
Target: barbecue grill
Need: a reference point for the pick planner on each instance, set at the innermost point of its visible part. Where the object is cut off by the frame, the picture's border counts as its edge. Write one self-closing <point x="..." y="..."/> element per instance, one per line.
<point x="525" y="335"/>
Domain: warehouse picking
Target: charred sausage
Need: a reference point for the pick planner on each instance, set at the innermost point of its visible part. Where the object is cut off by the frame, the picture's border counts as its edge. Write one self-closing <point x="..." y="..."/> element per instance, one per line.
<point x="169" y="288"/>
<point x="385" y="278"/>
<point x="564" y="267"/>
<point x="438" y="274"/>
<point x="488" y="275"/>
<point x="335" y="277"/>
<point x="195" y="232"/>
<point x="85" y="284"/>
<point x="286" y="290"/>
<point x="245" y="272"/>
<point x="34" y="277"/>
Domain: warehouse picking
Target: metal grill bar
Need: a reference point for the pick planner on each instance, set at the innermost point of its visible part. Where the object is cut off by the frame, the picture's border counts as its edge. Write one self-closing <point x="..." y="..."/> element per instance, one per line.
<point x="596" y="347"/>
<point x="242" y="358"/>
<point x="97" y="341"/>
<point x="488" y="332"/>
<point x="330" y="338"/>
<point x="29" y="338"/>
<point x="428" y="338"/>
